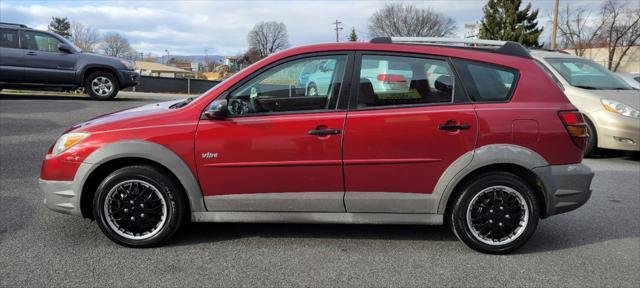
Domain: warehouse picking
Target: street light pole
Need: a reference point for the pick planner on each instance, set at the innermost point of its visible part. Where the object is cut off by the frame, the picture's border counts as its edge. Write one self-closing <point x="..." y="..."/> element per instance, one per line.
<point x="554" y="25"/>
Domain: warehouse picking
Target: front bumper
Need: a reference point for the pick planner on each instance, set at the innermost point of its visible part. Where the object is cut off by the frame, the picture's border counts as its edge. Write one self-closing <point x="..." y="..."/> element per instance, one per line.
<point x="566" y="187"/>
<point x="60" y="196"/>
<point x="129" y="78"/>
<point x="616" y="131"/>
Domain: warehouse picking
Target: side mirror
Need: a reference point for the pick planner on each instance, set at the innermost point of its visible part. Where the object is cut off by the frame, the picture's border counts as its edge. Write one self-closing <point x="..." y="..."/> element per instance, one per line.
<point x="217" y="110"/>
<point x="65" y="48"/>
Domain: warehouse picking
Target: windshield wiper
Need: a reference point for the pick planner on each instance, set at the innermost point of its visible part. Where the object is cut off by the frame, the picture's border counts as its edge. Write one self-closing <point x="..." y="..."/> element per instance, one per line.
<point x="182" y="103"/>
<point x="586" y="87"/>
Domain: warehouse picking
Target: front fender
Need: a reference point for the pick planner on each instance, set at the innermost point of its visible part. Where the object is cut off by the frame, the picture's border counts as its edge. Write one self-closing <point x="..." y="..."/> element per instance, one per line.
<point x="146" y="150"/>
<point x="83" y="72"/>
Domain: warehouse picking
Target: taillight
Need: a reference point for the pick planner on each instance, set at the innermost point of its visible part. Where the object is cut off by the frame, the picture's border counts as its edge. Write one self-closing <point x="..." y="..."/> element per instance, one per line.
<point x="391" y="78"/>
<point x="576" y="127"/>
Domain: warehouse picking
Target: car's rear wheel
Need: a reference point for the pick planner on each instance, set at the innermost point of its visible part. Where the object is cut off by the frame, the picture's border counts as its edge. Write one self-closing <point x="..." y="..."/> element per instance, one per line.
<point x="496" y="213"/>
<point x="139" y="206"/>
<point x="101" y="85"/>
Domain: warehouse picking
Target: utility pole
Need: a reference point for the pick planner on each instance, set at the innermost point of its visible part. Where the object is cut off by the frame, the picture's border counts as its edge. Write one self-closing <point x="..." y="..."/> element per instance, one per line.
<point x="338" y="28"/>
<point x="554" y="25"/>
<point x="168" y="58"/>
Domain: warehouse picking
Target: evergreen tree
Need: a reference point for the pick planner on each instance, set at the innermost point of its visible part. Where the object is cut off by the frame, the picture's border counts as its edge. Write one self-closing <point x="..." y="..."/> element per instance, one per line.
<point x="60" y="26"/>
<point x="503" y="20"/>
<point x="353" y="37"/>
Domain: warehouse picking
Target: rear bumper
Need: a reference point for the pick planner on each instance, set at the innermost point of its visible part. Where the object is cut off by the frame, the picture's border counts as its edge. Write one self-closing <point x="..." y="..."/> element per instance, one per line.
<point x="566" y="187"/>
<point x="60" y="196"/>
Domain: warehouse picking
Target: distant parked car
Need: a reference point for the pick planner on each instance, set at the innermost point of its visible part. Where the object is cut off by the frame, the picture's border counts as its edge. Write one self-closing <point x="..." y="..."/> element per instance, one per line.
<point x="633" y="79"/>
<point x="320" y="81"/>
<point x="33" y="59"/>
<point x="609" y="105"/>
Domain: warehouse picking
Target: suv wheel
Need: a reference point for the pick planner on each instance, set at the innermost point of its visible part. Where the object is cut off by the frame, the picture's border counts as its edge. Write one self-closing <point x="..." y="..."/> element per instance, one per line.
<point x="496" y="213"/>
<point x="101" y="85"/>
<point x="139" y="206"/>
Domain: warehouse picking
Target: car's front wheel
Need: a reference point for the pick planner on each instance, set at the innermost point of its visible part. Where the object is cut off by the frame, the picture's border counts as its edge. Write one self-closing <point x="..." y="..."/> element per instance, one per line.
<point x="591" y="148"/>
<point x="139" y="206"/>
<point x="496" y="212"/>
<point x="101" y="85"/>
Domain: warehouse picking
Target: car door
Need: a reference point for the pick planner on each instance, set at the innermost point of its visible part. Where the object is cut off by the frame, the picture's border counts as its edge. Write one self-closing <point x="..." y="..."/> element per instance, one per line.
<point x="11" y="70"/>
<point x="279" y="149"/>
<point x="398" y="143"/>
<point x="44" y="63"/>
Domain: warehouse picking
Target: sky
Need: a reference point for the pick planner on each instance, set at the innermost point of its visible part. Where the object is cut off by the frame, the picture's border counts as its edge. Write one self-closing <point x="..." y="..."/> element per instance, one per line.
<point x="221" y="27"/>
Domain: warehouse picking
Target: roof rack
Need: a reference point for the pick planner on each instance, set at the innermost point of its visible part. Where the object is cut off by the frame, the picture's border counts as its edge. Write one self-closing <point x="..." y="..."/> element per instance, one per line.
<point x="549" y="50"/>
<point x="14" y="24"/>
<point x="497" y="46"/>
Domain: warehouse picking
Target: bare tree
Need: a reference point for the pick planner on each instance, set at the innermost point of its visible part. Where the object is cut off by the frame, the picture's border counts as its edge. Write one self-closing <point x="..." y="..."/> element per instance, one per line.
<point x="85" y="37"/>
<point x="579" y="30"/>
<point x="622" y="30"/>
<point x="249" y="57"/>
<point x="268" y="37"/>
<point x="617" y="28"/>
<point x="400" y="19"/>
<point x="115" y="44"/>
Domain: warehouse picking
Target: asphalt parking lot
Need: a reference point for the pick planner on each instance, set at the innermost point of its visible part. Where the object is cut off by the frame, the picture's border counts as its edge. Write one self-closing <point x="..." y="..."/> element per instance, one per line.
<point x="597" y="245"/>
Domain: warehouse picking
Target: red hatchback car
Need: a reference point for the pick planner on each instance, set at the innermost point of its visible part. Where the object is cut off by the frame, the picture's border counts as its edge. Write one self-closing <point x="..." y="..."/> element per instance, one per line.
<point x="472" y="134"/>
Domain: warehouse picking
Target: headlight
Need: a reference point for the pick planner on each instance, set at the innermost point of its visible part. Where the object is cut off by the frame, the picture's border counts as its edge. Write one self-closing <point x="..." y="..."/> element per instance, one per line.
<point x="67" y="141"/>
<point x="128" y="64"/>
<point x="620" y="108"/>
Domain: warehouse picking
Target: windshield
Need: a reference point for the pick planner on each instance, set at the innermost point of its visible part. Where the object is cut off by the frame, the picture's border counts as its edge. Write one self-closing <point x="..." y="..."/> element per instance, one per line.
<point x="587" y="74"/>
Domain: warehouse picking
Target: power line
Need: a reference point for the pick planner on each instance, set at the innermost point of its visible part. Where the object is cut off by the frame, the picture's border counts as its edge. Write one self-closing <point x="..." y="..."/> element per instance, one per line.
<point x="337" y="29"/>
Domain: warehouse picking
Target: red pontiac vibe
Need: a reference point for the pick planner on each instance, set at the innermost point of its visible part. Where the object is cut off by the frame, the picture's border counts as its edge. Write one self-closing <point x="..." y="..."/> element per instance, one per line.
<point x="473" y="134"/>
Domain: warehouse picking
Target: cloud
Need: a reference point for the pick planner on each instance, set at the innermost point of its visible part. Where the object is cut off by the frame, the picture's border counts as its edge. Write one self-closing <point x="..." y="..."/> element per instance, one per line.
<point x="188" y="27"/>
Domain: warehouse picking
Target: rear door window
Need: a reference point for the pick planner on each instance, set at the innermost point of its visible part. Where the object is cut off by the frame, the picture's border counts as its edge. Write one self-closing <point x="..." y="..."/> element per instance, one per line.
<point x="9" y="38"/>
<point x="402" y="80"/>
<point x="486" y="82"/>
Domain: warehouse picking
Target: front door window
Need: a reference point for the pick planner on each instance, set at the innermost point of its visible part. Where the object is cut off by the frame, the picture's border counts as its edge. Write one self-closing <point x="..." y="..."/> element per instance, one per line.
<point x="309" y="84"/>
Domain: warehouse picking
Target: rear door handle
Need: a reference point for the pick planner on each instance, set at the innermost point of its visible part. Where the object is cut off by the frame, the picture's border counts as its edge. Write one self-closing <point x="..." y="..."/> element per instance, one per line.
<point x="324" y="132"/>
<point x="454" y="127"/>
<point x="31" y="53"/>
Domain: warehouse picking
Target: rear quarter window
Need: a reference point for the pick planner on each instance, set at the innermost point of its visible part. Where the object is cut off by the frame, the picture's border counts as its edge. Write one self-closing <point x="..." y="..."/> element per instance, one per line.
<point x="486" y="82"/>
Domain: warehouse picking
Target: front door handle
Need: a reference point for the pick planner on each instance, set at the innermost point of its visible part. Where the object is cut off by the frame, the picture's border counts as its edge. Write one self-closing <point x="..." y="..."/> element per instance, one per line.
<point x="31" y="53"/>
<point x="324" y="132"/>
<point x="451" y="126"/>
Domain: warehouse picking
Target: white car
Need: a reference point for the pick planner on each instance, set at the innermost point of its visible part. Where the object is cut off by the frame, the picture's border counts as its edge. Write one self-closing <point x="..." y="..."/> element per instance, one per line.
<point x="319" y="77"/>
<point x="610" y="106"/>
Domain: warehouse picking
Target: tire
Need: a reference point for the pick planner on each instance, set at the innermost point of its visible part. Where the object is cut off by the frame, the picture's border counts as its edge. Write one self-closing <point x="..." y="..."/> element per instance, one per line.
<point x="163" y="196"/>
<point x="101" y="85"/>
<point x="312" y="90"/>
<point x="592" y="142"/>
<point x="486" y="186"/>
